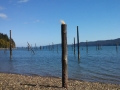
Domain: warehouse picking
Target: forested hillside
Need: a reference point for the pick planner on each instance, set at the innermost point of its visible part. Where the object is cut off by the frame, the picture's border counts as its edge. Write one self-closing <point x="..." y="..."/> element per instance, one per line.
<point x="5" y="41"/>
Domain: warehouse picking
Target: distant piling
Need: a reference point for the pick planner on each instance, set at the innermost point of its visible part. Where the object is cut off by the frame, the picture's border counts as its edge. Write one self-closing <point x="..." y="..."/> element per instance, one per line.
<point x="40" y="48"/>
<point x="78" y="43"/>
<point x="74" y="45"/>
<point x="52" y="46"/>
<point x="86" y="46"/>
<point x="64" y="55"/>
<point x="98" y="47"/>
<point x="10" y="45"/>
<point x="57" y="48"/>
<point x="49" y="46"/>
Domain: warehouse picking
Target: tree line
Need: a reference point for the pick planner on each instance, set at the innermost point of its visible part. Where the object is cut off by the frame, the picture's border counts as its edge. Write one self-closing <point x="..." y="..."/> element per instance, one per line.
<point x="5" y="41"/>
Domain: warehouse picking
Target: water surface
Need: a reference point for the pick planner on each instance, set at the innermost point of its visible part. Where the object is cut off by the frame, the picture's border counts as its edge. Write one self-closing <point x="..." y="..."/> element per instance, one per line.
<point x="94" y="65"/>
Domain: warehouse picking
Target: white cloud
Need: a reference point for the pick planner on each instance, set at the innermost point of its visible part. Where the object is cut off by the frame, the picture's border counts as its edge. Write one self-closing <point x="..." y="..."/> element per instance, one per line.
<point x="1" y="8"/>
<point x="22" y="1"/>
<point x="2" y="15"/>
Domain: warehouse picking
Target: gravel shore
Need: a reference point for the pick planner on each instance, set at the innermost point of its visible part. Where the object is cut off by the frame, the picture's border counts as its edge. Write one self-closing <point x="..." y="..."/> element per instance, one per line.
<point x="23" y="82"/>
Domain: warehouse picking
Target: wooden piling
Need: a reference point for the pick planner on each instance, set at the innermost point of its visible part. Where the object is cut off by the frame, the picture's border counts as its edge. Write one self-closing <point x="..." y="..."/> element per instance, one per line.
<point x="52" y="46"/>
<point x="74" y="45"/>
<point x="40" y="47"/>
<point x="57" y="48"/>
<point x="86" y="46"/>
<point x="78" y="43"/>
<point x="10" y="45"/>
<point x="64" y="55"/>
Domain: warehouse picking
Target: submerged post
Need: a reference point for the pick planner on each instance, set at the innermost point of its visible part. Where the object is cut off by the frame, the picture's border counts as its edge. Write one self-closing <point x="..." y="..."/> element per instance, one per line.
<point x="64" y="55"/>
<point x="78" y="43"/>
<point x="74" y="45"/>
<point x="10" y="45"/>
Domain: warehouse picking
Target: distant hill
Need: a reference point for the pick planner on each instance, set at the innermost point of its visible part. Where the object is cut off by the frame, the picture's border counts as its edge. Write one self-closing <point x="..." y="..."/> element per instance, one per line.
<point x="5" y="41"/>
<point x="111" y="42"/>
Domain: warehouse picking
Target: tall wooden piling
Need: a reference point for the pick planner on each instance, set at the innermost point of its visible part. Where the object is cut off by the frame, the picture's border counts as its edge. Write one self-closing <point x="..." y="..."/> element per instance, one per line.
<point x="78" y="43"/>
<point x="74" y="45"/>
<point x="64" y="55"/>
<point x="10" y="45"/>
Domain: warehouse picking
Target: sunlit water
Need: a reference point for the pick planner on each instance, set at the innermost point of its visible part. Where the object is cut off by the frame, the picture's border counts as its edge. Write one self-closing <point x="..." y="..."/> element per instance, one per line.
<point x="95" y="66"/>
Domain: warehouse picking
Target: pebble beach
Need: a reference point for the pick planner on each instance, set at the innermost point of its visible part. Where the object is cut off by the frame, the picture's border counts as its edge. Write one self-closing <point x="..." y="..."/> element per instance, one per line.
<point x="24" y="82"/>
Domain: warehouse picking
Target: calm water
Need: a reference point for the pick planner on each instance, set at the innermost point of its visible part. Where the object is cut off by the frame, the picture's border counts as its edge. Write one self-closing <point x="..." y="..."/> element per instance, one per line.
<point x="95" y="66"/>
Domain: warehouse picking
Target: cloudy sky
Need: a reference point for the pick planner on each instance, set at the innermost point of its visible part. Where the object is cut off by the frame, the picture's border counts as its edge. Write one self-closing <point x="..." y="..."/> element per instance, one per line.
<point x="38" y="21"/>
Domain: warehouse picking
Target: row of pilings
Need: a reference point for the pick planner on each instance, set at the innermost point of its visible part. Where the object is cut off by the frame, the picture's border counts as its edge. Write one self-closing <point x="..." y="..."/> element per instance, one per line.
<point x="64" y="51"/>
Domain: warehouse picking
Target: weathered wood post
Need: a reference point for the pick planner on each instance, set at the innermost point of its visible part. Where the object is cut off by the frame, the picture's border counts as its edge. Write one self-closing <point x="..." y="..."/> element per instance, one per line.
<point x="78" y="43"/>
<point x="74" y="45"/>
<point x="10" y="46"/>
<point x="64" y="55"/>
<point x="86" y="46"/>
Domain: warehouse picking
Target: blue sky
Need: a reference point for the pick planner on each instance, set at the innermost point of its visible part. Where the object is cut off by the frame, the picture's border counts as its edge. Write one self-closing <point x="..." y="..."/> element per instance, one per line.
<point x="38" y="21"/>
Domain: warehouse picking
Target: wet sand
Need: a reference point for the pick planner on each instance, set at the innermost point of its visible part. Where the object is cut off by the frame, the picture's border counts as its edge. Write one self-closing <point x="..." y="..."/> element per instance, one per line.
<point x="24" y="82"/>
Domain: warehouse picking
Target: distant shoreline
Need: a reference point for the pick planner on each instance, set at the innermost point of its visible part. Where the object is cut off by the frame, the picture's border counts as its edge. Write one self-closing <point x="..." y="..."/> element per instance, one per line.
<point x="16" y="81"/>
<point x="6" y="48"/>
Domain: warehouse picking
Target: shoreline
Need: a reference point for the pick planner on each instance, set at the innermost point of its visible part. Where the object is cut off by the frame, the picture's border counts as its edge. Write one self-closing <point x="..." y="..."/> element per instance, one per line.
<point x="21" y="82"/>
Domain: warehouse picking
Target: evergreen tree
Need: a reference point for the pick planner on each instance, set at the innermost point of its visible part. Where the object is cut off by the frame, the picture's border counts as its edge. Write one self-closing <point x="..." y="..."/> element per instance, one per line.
<point x="5" y="41"/>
